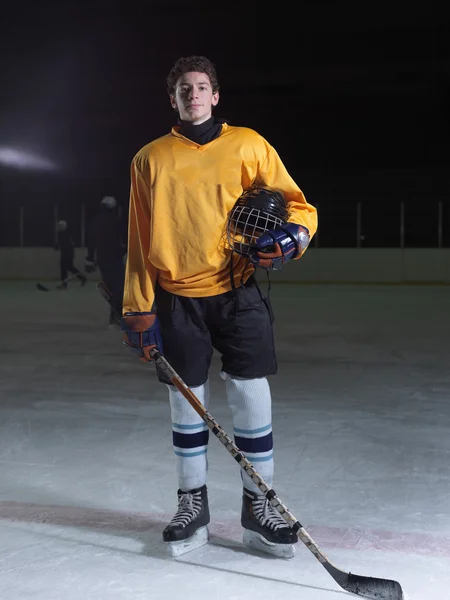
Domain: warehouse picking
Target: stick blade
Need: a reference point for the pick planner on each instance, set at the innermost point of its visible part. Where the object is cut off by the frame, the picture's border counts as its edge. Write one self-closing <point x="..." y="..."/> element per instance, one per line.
<point x="374" y="588"/>
<point x="41" y="287"/>
<point x="371" y="588"/>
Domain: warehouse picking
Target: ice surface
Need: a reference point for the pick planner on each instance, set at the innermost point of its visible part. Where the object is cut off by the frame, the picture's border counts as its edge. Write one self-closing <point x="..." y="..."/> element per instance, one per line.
<point x="362" y="451"/>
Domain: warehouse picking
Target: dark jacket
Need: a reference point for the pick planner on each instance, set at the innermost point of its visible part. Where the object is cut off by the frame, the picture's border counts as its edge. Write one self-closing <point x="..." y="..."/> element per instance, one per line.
<point x="65" y="243"/>
<point x="105" y="244"/>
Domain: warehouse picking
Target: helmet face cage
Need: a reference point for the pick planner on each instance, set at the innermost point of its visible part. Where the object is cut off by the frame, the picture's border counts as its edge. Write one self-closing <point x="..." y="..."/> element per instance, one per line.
<point x="256" y="212"/>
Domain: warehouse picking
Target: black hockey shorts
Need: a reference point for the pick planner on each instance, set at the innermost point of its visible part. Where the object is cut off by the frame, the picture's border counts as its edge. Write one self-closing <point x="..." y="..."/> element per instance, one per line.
<point x="238" y="324"/>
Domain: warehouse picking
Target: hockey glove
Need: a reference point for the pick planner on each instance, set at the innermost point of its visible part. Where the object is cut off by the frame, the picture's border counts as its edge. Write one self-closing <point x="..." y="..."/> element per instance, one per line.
<point x="275" y="247"/>
<point x="141" y="333"/>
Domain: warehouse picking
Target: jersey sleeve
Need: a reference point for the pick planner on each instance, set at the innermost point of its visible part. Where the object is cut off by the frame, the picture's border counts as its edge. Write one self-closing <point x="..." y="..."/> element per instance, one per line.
<point x="140" y="274"/>
<point x="273" y="174"/>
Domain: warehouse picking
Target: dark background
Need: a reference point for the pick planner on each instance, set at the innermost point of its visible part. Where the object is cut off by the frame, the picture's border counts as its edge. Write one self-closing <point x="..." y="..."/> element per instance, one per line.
<point x="354" y="96"/>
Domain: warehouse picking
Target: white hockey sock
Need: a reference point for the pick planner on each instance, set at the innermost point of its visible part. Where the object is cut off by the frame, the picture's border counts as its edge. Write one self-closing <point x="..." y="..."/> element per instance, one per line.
<point x="190" y="437"/>
<point x="251" y="405"/>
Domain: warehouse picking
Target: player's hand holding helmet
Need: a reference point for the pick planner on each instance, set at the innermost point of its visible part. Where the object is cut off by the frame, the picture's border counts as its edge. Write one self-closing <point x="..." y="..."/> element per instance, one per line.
<point x="275" y="247"/>
<point x="258" y="228"/>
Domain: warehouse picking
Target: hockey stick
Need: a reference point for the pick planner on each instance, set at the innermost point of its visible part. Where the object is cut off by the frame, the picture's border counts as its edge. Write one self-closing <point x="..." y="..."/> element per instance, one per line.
<point x="58" y="286"/>
<point x="372" y="588"/>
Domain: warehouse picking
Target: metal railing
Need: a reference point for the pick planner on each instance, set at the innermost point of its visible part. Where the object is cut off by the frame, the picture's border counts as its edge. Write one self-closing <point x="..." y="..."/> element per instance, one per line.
<point x="358" y="224"/>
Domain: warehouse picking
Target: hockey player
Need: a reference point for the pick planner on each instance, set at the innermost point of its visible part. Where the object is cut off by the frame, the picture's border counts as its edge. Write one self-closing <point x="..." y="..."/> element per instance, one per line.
<point x="106" y="249"/>
<point x="187" y="292"/>
<point x="66" y="248"/>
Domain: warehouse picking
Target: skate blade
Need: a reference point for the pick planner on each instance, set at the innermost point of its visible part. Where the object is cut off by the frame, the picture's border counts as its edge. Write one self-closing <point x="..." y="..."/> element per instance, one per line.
<point x="200" y="538"/>
<point x="258" y="542"/>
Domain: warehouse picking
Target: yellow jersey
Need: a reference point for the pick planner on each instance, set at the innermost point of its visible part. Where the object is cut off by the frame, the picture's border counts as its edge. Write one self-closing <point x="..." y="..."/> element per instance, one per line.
<point x="181" y="194"/>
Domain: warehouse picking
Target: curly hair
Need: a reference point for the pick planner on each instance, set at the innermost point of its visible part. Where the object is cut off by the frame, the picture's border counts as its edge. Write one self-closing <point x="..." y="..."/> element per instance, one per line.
<point x="199" y="64"/>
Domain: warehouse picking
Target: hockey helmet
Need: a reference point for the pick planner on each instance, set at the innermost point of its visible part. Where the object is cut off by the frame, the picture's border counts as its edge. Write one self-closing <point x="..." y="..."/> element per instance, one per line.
<point x="109" y="202"/>
<point x="61" y="225"/>
<point x="258" y="210"/>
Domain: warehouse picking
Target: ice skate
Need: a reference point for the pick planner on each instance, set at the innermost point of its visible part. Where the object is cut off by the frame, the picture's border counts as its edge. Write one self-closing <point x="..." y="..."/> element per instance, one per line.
<point x="264" y="528"/>
<point x="188" y="528"/>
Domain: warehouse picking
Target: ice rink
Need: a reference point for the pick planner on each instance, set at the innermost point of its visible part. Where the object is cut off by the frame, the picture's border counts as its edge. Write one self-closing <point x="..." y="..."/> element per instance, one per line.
<point x="362" y="451"/>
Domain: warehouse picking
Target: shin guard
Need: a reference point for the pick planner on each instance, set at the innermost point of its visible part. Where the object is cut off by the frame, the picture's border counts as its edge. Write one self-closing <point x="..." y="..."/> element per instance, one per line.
<point x="251" y="405"/>
<point x="190" y="436"/>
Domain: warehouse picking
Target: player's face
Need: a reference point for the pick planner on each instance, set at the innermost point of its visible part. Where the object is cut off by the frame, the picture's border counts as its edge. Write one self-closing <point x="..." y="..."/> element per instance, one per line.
<point x="194" y="97"/>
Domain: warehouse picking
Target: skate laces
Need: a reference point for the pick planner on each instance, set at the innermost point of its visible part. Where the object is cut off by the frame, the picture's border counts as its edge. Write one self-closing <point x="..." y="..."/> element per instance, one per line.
<point x="267" y="515"/>
<point x="189" y="506"/>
